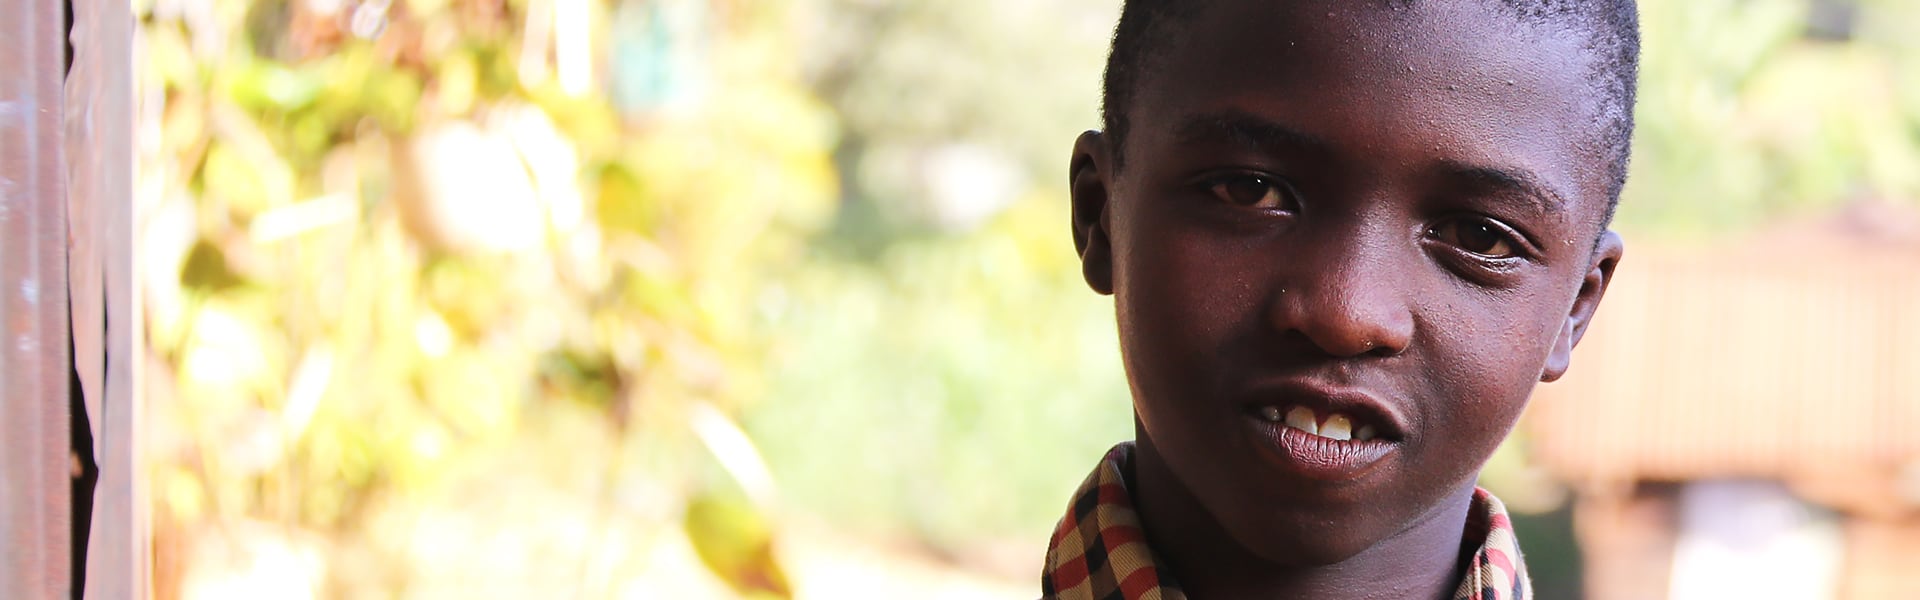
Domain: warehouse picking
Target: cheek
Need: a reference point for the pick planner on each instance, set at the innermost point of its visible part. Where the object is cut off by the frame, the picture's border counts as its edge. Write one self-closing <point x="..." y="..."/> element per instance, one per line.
<point x="1179" y="296"/>
<point x="1488" y="358"/>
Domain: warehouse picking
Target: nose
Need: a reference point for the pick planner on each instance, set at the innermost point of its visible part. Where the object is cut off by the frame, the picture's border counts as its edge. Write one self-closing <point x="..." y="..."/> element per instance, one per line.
<point x="1350" y="300"/>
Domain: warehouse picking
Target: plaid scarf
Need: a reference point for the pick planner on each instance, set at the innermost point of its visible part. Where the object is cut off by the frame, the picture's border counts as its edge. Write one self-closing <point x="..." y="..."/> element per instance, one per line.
<point x="1099" y="551"/>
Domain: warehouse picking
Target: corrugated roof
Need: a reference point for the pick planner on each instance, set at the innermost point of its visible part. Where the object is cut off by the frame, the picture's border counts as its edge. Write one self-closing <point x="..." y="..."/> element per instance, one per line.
<point x="1795" y="355"/>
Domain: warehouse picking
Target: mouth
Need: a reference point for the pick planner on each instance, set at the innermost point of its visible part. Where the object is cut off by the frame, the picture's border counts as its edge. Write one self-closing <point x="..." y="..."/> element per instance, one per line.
<point x="1321" y="434"/>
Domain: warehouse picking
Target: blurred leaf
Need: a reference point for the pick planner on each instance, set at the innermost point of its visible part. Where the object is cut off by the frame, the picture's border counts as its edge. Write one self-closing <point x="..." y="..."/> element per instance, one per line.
<point x="622" y="203"/>
<point x="475" y="393"/>
<point x="234" y="178"/>
<point x="735" y="540"/>
<point x="455" y="84"/>
<point x="206" y="269"/>
<point x="267" y="85"/>
<point x="573" y="375"/>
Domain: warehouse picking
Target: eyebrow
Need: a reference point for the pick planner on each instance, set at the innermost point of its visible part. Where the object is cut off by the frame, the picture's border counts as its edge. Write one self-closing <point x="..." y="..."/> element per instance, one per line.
<point x="1519" y="181"/>
<point x="1247" y="130"/>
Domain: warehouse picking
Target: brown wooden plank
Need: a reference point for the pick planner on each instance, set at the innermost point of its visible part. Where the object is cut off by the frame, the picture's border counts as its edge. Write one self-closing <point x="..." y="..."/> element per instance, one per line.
<point x="100" y="152"/>
<point x="34" y="462"/>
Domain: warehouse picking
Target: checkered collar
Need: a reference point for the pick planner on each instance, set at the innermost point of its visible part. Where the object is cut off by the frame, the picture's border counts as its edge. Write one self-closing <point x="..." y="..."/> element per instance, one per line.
<point x="1099" y="550"/>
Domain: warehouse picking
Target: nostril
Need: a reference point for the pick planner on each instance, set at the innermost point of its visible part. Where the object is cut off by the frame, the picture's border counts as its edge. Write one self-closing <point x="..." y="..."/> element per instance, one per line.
<point x="1383" y="350"/>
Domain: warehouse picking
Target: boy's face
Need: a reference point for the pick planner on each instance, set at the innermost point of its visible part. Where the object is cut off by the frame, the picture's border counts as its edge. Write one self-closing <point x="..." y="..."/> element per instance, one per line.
<point x="1342" y="208"/>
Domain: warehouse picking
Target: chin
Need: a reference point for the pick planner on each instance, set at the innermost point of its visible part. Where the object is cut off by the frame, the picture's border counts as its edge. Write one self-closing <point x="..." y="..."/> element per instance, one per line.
<point x="1325" y="543"/>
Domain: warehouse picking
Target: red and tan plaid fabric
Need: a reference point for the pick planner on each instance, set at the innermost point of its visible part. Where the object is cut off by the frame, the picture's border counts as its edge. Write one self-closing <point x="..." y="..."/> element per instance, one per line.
<point x="1099" y="551"/>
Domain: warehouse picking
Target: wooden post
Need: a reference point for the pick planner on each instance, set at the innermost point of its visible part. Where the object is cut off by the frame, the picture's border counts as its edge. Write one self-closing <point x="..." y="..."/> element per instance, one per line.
<point x="107" y="330"/>
<point x="35" y="562"/>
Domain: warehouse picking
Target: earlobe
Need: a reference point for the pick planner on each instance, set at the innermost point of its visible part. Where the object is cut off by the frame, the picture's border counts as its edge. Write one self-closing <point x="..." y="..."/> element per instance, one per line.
<point x="1561" y="356"/>
<point x="1606" y="256"/>
<point x="1087" y="184"/>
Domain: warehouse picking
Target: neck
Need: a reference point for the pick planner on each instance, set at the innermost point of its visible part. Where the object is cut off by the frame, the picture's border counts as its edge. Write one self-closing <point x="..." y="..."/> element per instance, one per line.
<point x="1422" y="561"/>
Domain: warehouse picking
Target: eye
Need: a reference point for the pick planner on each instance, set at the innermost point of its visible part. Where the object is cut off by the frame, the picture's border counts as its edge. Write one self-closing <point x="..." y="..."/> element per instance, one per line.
<point x="1254" y="191"/>
<point x="1479" y="236"/>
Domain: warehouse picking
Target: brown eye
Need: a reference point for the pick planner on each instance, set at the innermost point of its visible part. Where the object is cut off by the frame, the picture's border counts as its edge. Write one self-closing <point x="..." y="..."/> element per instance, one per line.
<point x="1477" y="236"/>
<point x="1253" y="191"/>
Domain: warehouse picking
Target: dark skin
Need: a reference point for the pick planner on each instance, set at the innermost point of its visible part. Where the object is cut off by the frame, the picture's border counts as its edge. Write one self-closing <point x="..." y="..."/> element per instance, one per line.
<point x="1404" y="204"/>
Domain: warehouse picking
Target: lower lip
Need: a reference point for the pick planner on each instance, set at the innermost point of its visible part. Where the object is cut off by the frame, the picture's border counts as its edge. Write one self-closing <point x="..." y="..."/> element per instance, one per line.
<point x="1314" y="456"/>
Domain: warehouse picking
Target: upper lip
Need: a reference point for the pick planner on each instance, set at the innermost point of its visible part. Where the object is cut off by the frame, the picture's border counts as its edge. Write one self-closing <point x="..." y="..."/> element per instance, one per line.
<point x="1362" y="406"/>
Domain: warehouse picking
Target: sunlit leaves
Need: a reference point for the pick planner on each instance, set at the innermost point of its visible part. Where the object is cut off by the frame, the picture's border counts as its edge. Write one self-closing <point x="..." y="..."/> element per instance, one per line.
<point x="1744" y="118"/>
<point x="622" y="204"/>
<point x="387" y="260"/>
<point x="735" y="539"/>
<point x="206" y="269"/>
<point x="272" y="86"/>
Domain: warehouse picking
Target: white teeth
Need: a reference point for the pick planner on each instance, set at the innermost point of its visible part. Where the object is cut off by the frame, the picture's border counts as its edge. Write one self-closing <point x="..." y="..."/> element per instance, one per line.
<point x="1337" y="427"/>
<point x="1301" y="418"/>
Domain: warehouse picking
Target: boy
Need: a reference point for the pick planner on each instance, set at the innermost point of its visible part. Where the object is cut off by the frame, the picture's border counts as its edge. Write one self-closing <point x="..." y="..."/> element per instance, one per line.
<point x="1344" y="239"/>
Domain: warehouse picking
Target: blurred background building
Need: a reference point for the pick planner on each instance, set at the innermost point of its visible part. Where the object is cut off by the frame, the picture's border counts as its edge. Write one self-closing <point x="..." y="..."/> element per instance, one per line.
<point x="712" y="298"/>
<point x="1749" y="408"/>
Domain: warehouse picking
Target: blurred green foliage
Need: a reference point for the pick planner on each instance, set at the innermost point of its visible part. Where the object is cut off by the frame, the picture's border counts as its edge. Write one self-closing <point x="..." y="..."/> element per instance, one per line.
<point x="444" y="283"/>
<point x="415" y="298"/>
<point x="1757" y="110"/>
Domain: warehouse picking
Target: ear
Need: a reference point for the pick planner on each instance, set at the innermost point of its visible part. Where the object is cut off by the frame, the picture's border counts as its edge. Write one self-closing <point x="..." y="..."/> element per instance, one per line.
<point x="1087" y="178"/>
<point x="1606" y="256"/>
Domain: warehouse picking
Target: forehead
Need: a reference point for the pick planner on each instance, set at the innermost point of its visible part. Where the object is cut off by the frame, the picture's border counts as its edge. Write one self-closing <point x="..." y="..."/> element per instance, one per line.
<point x="1461" y="82"/>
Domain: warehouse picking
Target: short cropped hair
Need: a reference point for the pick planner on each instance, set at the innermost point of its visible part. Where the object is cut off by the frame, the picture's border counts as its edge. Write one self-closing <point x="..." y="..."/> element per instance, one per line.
<point x="1612" y="29"/>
